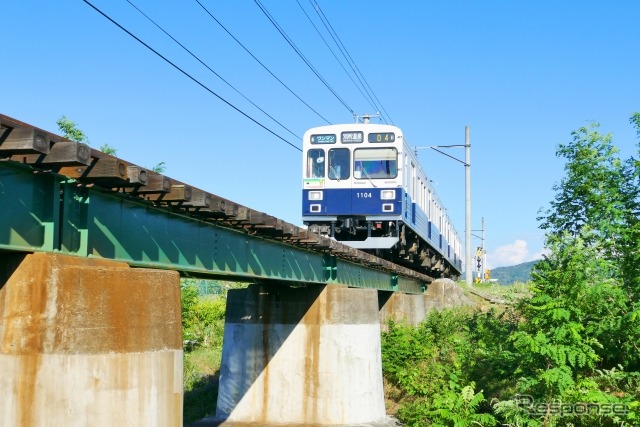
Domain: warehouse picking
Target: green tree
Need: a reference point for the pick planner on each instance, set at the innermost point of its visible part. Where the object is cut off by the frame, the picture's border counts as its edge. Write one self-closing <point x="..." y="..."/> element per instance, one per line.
<point x="578" y="338"/>
<point x="188" y="301"/>
<point x="558" y="341"/>
<point x="589" y="194"/>
<point x="629" y="253"/>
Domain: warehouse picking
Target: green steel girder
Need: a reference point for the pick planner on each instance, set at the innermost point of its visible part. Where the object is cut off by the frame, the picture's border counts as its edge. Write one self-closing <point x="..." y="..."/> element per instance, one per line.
<point x="29" y="209"/>
<point x="48" y="212"/>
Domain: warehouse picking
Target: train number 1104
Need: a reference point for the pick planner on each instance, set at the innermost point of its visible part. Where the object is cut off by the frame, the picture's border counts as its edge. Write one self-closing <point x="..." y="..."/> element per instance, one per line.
<point x="363" y="195"/>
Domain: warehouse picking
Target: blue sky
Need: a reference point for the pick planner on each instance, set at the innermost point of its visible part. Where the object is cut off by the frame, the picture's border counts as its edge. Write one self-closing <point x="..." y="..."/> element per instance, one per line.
<point x="522" y="75"/>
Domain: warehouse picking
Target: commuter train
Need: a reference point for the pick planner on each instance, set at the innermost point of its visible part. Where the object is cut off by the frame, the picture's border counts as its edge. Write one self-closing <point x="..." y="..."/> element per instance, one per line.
<point x="363" y="186"/>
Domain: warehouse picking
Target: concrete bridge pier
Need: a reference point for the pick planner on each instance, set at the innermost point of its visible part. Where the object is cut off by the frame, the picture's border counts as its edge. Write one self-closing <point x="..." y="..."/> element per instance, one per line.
<point x="88" y="342"/>
<point x="301" y="357"/>
<point x="400" y="307"/>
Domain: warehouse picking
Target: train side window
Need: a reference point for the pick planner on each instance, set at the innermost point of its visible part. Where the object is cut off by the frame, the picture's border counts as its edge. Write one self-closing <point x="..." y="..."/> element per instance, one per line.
<point x="315" y="163"/>
<point x="412" y="188"/>
<point x="339" y="161"/>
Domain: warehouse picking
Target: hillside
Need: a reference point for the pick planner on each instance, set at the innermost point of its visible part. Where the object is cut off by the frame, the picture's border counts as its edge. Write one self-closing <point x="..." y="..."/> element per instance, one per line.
<point x="513" y="273"/>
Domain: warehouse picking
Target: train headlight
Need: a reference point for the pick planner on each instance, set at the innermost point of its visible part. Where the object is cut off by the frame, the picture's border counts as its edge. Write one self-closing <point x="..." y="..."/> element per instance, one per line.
<point x="388" y="194"/>
<point x="315" y="195"/>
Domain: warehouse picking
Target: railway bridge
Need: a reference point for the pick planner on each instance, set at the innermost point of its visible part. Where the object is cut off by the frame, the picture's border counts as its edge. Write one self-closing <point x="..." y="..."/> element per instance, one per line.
<point x="91" y="251"/>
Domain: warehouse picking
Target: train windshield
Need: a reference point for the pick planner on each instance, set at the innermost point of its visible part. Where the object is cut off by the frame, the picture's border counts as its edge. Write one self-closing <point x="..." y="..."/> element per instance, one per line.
<point x="339" y="163"/>
<point x="371" y="163"/>
<point x="315" y="163"/>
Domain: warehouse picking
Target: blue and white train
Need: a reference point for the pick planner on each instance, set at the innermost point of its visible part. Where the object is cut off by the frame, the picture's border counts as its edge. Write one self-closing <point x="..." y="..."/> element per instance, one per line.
<point x="362" y="185"/>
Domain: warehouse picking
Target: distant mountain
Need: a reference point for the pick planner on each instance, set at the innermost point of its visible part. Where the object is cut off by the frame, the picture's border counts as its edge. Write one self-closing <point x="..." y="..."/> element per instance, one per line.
<point x="513" y="273"/>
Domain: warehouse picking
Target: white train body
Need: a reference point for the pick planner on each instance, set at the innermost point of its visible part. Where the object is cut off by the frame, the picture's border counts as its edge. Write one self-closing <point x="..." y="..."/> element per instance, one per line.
<point x="362" y="185"/>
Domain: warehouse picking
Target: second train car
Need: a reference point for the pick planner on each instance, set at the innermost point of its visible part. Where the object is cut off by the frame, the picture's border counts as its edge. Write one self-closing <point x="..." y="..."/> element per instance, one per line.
<point x="363" y="186"/>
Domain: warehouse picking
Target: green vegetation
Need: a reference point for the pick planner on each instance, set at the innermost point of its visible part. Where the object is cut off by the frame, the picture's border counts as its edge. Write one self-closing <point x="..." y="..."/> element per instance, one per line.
<point x="202" y="331"/>
<point x="429" y="369"/>
<point x="568" y="354"/>
<point x="70" y="130"/>
<point x="161" y="167"/>
<point x="203" y="310"/>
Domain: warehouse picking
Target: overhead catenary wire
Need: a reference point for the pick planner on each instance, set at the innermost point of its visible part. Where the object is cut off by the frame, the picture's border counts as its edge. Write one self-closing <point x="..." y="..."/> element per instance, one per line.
<point x="335" y="56"/>
<point x="209" y="68"/>
<point x="199" y="83"/>
<point x="260" y="62"/>
<point x="304" y="59"/>
<point x="345" y="52"/>
<point x="361" y="86"/>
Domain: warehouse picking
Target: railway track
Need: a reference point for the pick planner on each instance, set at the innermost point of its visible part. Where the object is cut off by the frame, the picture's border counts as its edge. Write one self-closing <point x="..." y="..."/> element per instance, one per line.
<point x="46" y="152"/>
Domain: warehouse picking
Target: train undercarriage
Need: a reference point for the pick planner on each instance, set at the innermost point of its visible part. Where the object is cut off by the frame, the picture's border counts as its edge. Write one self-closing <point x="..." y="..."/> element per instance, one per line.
<point x="388" y="239"/>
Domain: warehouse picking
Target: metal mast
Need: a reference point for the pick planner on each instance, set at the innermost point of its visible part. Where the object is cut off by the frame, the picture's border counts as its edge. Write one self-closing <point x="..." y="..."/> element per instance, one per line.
<point x="467" y="207"/>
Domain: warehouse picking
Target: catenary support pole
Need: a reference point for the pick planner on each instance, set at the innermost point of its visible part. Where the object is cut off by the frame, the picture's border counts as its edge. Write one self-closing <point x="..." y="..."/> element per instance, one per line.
<point x="483" y="272"/>
<point x="467" y="207"/>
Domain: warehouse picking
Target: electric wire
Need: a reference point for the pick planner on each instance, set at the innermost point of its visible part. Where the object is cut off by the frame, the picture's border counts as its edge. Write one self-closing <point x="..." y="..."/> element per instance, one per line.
<point x="189" y="75"/>
<point x="304" y="59"/>
<point x="209" y="68"/>
<point x="335" y="56"/>
<point x="259" y="62"/>
<point x="343" y="49"/>
<point x="366" y="96"/>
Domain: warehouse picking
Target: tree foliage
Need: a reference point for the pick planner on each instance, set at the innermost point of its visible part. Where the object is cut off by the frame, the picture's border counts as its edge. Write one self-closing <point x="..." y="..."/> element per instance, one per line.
<point x="202" y="316"/>
<point x="589" y="195"/>
<point x="575" y="341"/>
<point x="433" y="366"/>
<point x="580" y="322"/>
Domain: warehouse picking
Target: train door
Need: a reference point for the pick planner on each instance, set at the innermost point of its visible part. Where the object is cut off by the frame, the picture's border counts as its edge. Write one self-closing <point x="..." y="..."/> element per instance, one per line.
<point x="413" y="193"/>
<point x="405" y="180"/>
<point x="313" y="182"/>
<point x="339" y="180"/>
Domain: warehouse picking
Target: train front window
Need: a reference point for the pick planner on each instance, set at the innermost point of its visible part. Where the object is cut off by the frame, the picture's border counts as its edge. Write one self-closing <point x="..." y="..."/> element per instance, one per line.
<point x="315" y="163"/>
<point x="372" y="163"/>
<point x="339" y="163"/>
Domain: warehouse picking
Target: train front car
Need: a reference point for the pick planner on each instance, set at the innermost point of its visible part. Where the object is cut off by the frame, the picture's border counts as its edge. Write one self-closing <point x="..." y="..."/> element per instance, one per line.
<point x="358" y="188"/>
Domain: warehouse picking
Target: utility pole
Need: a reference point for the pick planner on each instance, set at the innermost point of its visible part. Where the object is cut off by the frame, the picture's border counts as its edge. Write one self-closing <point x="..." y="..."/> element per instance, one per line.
<point x="484" y="257"/>
<point x="467" y="198"/>
<point x="467" y="207"/>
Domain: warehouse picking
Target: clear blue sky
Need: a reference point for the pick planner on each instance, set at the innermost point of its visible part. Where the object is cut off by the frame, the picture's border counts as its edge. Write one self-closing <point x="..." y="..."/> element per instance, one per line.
<point x="522" y="75"/>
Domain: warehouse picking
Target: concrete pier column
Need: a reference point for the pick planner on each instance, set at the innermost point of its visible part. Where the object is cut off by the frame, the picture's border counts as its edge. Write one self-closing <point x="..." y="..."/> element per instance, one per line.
<point x="301" y="356"/>
<point x="401" y="307"/>
<point x="445" y="293"/>
<point x="87" y="342"/>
